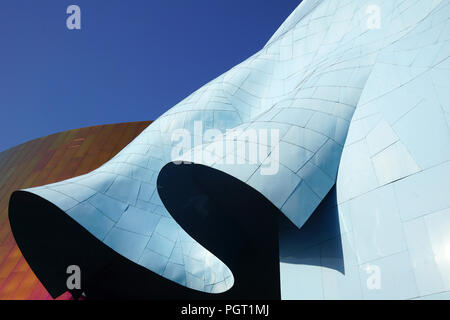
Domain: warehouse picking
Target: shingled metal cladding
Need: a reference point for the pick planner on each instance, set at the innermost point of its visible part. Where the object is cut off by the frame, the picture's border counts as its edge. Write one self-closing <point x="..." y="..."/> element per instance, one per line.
<point x="45" y="160"/>
<point x="358" y="106"/>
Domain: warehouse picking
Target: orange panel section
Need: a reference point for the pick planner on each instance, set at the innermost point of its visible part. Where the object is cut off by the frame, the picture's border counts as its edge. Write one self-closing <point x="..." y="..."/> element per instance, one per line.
<point x="42" y="161"/>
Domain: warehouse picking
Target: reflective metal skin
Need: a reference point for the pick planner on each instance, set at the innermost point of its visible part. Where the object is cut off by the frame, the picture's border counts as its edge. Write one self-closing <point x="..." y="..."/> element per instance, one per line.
<point x="41" y="161"/>
<point x="360" y="102"/>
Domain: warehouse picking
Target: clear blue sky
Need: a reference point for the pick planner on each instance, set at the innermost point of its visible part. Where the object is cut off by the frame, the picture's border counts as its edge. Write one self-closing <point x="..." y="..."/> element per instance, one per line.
<point x="131" y="61"/>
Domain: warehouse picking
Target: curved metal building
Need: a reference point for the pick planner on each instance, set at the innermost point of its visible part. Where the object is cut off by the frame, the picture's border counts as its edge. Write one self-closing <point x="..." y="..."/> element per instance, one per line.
<point x="319" y="168"/>
<point x="46" y="160"/>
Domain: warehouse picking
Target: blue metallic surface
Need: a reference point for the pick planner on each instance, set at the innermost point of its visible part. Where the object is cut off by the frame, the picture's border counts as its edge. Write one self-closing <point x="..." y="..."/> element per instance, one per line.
<point x="363" y="109"/>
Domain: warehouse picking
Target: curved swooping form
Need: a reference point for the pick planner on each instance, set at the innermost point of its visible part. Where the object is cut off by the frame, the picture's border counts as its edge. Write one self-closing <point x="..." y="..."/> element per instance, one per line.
<point x="361" y="80"/>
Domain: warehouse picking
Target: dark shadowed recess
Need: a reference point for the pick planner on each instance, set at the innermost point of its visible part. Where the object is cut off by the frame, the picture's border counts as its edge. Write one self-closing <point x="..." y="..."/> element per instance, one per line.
<point x="229" y="218"/>
<point x="306" y="245"/>
<point x="50" y="241"/>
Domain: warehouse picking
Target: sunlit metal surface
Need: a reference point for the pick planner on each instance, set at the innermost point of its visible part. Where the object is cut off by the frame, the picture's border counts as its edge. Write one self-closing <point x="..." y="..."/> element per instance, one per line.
<point x="358" y="92"/>
<point x="47" y="160"/>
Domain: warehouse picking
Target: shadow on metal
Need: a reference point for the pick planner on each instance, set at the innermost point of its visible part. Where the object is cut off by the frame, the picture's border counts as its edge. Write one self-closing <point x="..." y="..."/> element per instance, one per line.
<point x="222" y="213"/>
<point x="229" y="218"/>
<point x="323" y="226"/>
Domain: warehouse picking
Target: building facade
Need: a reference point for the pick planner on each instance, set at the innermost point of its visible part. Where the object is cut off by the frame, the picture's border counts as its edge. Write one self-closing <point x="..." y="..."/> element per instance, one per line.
<point x="319" y="168"/>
